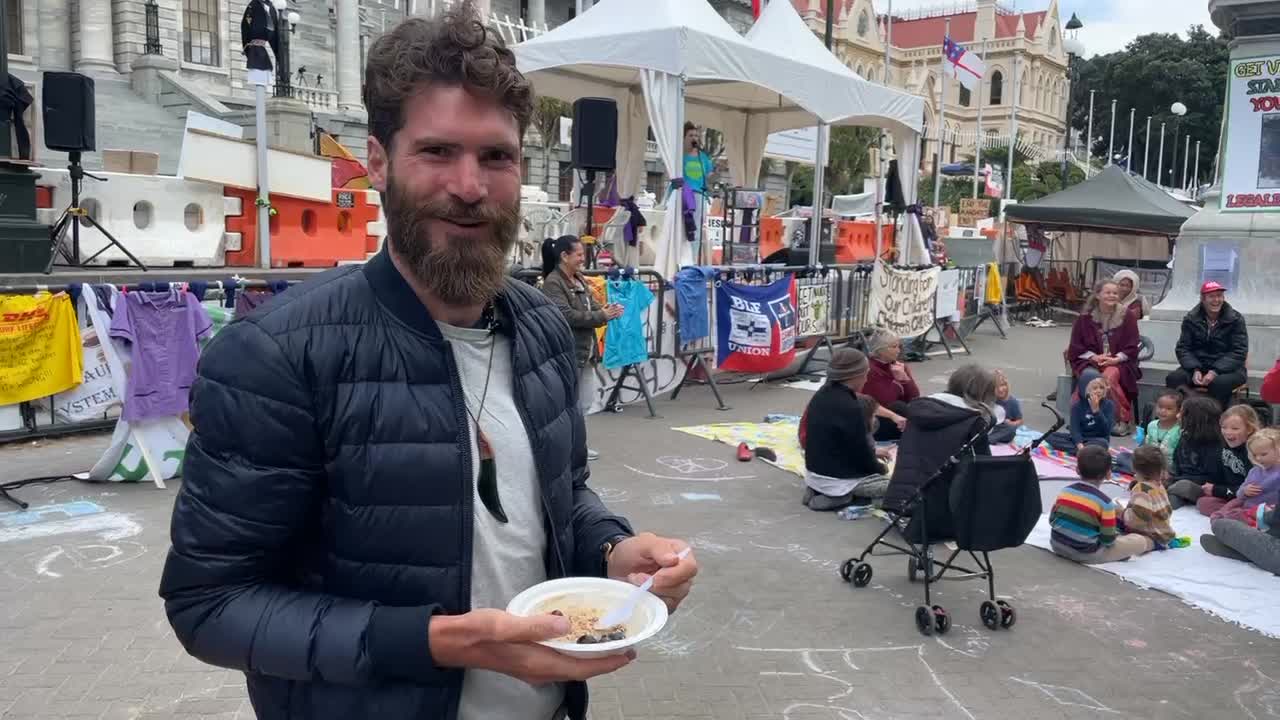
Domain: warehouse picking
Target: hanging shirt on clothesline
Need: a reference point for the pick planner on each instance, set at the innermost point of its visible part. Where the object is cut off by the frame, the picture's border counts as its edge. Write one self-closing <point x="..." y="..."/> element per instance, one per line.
<point x="691" y="303"/>
<point x="624" y="340"/>
<point x="164" y="331"/>
<point x="40" y="351"/>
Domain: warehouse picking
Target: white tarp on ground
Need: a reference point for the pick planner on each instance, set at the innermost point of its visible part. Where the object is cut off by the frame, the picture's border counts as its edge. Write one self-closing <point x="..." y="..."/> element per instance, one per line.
<point x="1236" y="591"/>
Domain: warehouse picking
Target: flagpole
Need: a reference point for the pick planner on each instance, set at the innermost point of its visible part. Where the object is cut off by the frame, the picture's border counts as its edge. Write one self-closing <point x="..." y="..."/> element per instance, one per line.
<point x="1013" y="131"/>
<point x="977" y="140"/>
<point x="942" y="117"/>
<point x="820" y="167"/>
<point x="1128" y="162"/>
<point x="1196" y="176"/>
<point x="1146" y="150"/>
<point x="1111" y="141"/>
<point x="1088" y="141"/>
<point x="1160" y="160"/>
<point x="880" y="184"/>
<point x="1185" y="153"/>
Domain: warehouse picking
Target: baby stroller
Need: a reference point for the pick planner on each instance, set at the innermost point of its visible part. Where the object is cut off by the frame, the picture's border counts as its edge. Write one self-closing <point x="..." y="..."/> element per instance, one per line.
<point x="988" y="503"/>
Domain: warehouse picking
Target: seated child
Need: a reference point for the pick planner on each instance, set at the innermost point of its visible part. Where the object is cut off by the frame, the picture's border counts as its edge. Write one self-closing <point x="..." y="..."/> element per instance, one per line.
<point x="1198" y="457"/>
<point x="1237" y="425"/>
<point x="1149" y="510"/>
<point x="1092" y="417"/>
<point x="1083" y="519"/>
<point x="1165" y="431"/>
<point x="1007" y="430"/>
<point x="870" y="408"/>
<point x="1262" y="485"/>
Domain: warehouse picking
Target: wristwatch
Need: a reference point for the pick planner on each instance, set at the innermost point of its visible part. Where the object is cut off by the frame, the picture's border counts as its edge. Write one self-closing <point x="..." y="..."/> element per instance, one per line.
<point x="606" y="550"/>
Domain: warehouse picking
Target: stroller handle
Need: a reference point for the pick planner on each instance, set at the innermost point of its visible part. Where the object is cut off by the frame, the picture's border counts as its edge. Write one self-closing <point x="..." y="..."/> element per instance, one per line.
<point x="1058" y="422"/>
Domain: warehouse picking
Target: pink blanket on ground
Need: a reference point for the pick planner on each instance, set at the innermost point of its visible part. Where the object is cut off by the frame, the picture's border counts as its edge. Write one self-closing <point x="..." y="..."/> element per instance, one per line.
<point x="1055" y="464"/>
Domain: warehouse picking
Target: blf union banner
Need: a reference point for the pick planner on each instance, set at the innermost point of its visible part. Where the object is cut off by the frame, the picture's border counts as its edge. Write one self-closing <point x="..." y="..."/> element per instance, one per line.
<point x="1251" y="163"/>
<point x="902" y="301"/>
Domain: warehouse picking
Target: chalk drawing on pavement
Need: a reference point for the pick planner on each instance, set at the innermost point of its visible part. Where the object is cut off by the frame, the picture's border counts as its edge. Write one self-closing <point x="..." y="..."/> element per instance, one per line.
<point x="1066" y="695"/>
<point x="107" y="546"/>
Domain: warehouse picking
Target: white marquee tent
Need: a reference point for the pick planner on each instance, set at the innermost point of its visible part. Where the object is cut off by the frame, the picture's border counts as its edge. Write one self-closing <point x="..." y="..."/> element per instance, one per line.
<point x="665" y="60"/>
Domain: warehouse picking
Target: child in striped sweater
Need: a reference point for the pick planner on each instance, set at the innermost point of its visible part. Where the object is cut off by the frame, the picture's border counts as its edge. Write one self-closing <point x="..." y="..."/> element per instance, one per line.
<point x="1084" y="524"/>
<point x="1149" y="509"/>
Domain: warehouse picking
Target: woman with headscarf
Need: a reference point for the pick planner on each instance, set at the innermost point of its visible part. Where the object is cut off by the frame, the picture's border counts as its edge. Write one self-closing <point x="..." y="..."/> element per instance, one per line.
<point x="1104" y="342"/>
<point x="1130" y="297"/>
<point x="566" y="287"/>
<point x="890" y="382"/>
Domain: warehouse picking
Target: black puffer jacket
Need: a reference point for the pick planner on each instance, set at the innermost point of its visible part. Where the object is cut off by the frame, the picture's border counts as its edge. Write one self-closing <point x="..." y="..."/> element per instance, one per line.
<point x="936" y="429"/>
<point x="1223" y="350"/>
<point x="325" y="514"/>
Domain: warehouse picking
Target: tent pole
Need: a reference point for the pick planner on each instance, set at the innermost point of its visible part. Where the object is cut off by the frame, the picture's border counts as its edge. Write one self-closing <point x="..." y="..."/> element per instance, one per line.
<point x="820" y="164"/>
<point x="881" y="190"/>
<point x="977" y="138"/>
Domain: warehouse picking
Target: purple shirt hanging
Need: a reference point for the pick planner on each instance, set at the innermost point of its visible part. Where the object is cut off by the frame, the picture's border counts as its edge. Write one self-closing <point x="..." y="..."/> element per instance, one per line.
<point x="163" y="330"/>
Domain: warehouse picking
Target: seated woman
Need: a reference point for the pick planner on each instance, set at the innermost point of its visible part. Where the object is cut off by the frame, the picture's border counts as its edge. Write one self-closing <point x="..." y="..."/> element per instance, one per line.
<point x="1212" y="348"/>
<point x="840" y="461"/>
<point x="890" y="383"/>
<point x="1239" y="540"/>
<point x="1104" y="342"/>
<point x="1130" y="299"/>
<point x="937" y="427"/>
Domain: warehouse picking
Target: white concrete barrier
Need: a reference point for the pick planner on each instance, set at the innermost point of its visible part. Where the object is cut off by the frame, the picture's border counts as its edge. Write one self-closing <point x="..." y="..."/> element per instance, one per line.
<point x="162" y="220"/>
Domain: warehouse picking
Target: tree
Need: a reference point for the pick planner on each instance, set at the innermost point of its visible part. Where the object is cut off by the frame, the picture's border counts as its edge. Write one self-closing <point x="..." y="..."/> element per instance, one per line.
<point x="848" y="163"/>
<point x="546" y="120"/>
<point x="1150" y="74"/>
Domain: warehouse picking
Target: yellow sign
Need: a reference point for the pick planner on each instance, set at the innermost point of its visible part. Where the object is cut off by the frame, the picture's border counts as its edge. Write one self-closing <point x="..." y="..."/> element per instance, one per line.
<point x="40" y="352"/>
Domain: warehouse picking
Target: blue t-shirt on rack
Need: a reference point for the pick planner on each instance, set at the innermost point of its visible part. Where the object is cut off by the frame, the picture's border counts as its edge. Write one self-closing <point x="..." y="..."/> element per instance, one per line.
<point x="691" y="303"/>
<point x="624" y="341"/>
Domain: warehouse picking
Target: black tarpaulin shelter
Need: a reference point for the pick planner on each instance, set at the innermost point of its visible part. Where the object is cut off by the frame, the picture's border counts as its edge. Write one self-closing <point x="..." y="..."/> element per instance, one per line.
<point x="1113" y="199"/>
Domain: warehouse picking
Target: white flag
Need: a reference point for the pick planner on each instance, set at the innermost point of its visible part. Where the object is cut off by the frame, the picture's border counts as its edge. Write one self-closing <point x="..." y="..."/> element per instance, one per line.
<point x="965" y="66"/>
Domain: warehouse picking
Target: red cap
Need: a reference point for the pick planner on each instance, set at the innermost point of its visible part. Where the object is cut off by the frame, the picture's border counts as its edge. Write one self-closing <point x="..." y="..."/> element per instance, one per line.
<point x="1211" y="287"/>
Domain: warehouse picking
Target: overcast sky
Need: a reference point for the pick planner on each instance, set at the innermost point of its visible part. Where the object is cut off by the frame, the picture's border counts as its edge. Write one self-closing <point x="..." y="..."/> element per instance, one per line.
<point x="1108" y="24"/>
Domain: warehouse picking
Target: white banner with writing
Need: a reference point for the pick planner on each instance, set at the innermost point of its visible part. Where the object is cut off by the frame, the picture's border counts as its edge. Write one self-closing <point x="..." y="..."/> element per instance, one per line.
<point x="902" y="301"/>
<point x="1251" y="163"/>
<point x="813" y="303"/>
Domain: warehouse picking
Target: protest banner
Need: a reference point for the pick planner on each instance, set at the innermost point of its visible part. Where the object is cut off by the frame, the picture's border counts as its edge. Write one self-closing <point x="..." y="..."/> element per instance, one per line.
<point x="813" y="303"/>
<point x="948" y="296"/>
<point x="40" y="352"/>
<point x="1251" y="160"/>
<point x="902" y="301"/>
<point x="755" y="326"/>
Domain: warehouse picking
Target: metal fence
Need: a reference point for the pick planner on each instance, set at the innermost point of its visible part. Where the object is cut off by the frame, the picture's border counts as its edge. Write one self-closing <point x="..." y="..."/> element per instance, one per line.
<point x="832" y="308"/>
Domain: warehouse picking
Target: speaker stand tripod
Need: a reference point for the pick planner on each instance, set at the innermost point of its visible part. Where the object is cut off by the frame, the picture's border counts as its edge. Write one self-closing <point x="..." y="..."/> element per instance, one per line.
<point x="72" y="217"/>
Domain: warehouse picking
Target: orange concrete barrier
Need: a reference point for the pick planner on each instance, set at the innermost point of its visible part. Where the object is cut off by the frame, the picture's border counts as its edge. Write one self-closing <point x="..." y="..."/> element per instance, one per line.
<point x="305" y="233"/>
<point x="856" y="241"/>
<point x="771" y="240"/>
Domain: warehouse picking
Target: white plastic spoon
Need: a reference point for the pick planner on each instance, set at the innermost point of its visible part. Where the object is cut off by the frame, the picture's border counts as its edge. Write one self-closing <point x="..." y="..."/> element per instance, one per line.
<point x="623" y="612"/>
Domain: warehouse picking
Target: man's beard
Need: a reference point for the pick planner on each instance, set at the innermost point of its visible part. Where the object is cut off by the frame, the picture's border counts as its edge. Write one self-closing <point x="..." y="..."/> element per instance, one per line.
<point x="457" y="270"/>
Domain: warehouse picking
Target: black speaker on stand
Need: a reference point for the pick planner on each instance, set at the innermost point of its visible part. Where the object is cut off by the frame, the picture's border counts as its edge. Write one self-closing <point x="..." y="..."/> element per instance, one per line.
<point x="595" y="145"/>
<point x="70" y="126"/>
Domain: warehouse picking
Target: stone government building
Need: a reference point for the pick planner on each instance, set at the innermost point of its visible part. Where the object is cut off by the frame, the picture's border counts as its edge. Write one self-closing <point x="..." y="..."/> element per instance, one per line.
<point x="144" y="93"/>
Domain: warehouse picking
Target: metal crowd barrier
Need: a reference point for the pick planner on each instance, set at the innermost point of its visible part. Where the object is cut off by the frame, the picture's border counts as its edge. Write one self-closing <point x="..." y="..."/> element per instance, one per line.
<point x="31" y="417"/>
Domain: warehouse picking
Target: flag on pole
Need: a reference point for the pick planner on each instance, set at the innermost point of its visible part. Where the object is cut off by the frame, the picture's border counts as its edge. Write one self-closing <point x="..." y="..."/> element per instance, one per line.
<point x="755" y="8"/>
<point x="967" y="67"/>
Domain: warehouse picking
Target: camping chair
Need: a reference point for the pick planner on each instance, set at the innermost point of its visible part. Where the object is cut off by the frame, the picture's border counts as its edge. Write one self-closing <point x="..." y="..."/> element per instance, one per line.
<point x="990" y="503"/>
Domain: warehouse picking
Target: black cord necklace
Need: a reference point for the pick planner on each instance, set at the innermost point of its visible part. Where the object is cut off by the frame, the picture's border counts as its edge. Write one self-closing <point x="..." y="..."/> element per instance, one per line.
<point x="487" y="482"/>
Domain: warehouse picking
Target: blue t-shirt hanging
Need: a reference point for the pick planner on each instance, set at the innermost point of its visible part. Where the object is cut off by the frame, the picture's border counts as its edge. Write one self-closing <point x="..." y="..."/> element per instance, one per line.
<point x="624" y="341"/>
<point x="691" y="303"/>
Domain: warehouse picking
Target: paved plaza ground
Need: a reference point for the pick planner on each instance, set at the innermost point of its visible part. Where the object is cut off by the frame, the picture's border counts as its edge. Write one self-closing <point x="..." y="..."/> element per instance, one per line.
<point x="770" y="631"/>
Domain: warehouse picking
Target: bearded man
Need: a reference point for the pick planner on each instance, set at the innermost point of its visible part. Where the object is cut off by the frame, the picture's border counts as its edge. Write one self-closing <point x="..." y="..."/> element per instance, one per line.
<point x="384" y="456"/>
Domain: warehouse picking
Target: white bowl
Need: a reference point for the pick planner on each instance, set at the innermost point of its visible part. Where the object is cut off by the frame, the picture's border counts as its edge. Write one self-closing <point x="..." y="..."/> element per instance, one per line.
<point x="649" y="617"/>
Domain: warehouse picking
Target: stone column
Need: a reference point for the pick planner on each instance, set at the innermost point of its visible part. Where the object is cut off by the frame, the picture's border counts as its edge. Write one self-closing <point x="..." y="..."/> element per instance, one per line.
<point x="348" y="60"/>
<point x="55" y="34"/>
<point x="97" y="52"/>
<point x="1215" y="236"/>
<point x="537" y="13"/>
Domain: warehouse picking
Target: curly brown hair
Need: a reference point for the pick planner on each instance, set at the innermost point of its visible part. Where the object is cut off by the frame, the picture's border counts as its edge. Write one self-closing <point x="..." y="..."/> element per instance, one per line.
<point x="455" y="50"/>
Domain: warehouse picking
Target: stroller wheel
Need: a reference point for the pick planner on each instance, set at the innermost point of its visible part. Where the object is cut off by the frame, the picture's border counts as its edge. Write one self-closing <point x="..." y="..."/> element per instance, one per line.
<point x="846" y="570"/>
<point x="990" y="615"/>
<point x="913" y="569"/>
<point x="861" y="575"/>
<point x="1008" y="616"/>
<point x="941" y="620"/>
<point x="924" y="620"/>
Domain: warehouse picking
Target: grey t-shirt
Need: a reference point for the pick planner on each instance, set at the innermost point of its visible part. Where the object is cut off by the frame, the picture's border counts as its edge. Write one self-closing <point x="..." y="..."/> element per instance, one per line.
<point x="505" y="558"/>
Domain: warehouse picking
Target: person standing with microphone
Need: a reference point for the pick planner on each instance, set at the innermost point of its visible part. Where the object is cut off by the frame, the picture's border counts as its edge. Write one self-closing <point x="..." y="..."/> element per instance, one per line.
<point x="697" y="171"/>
